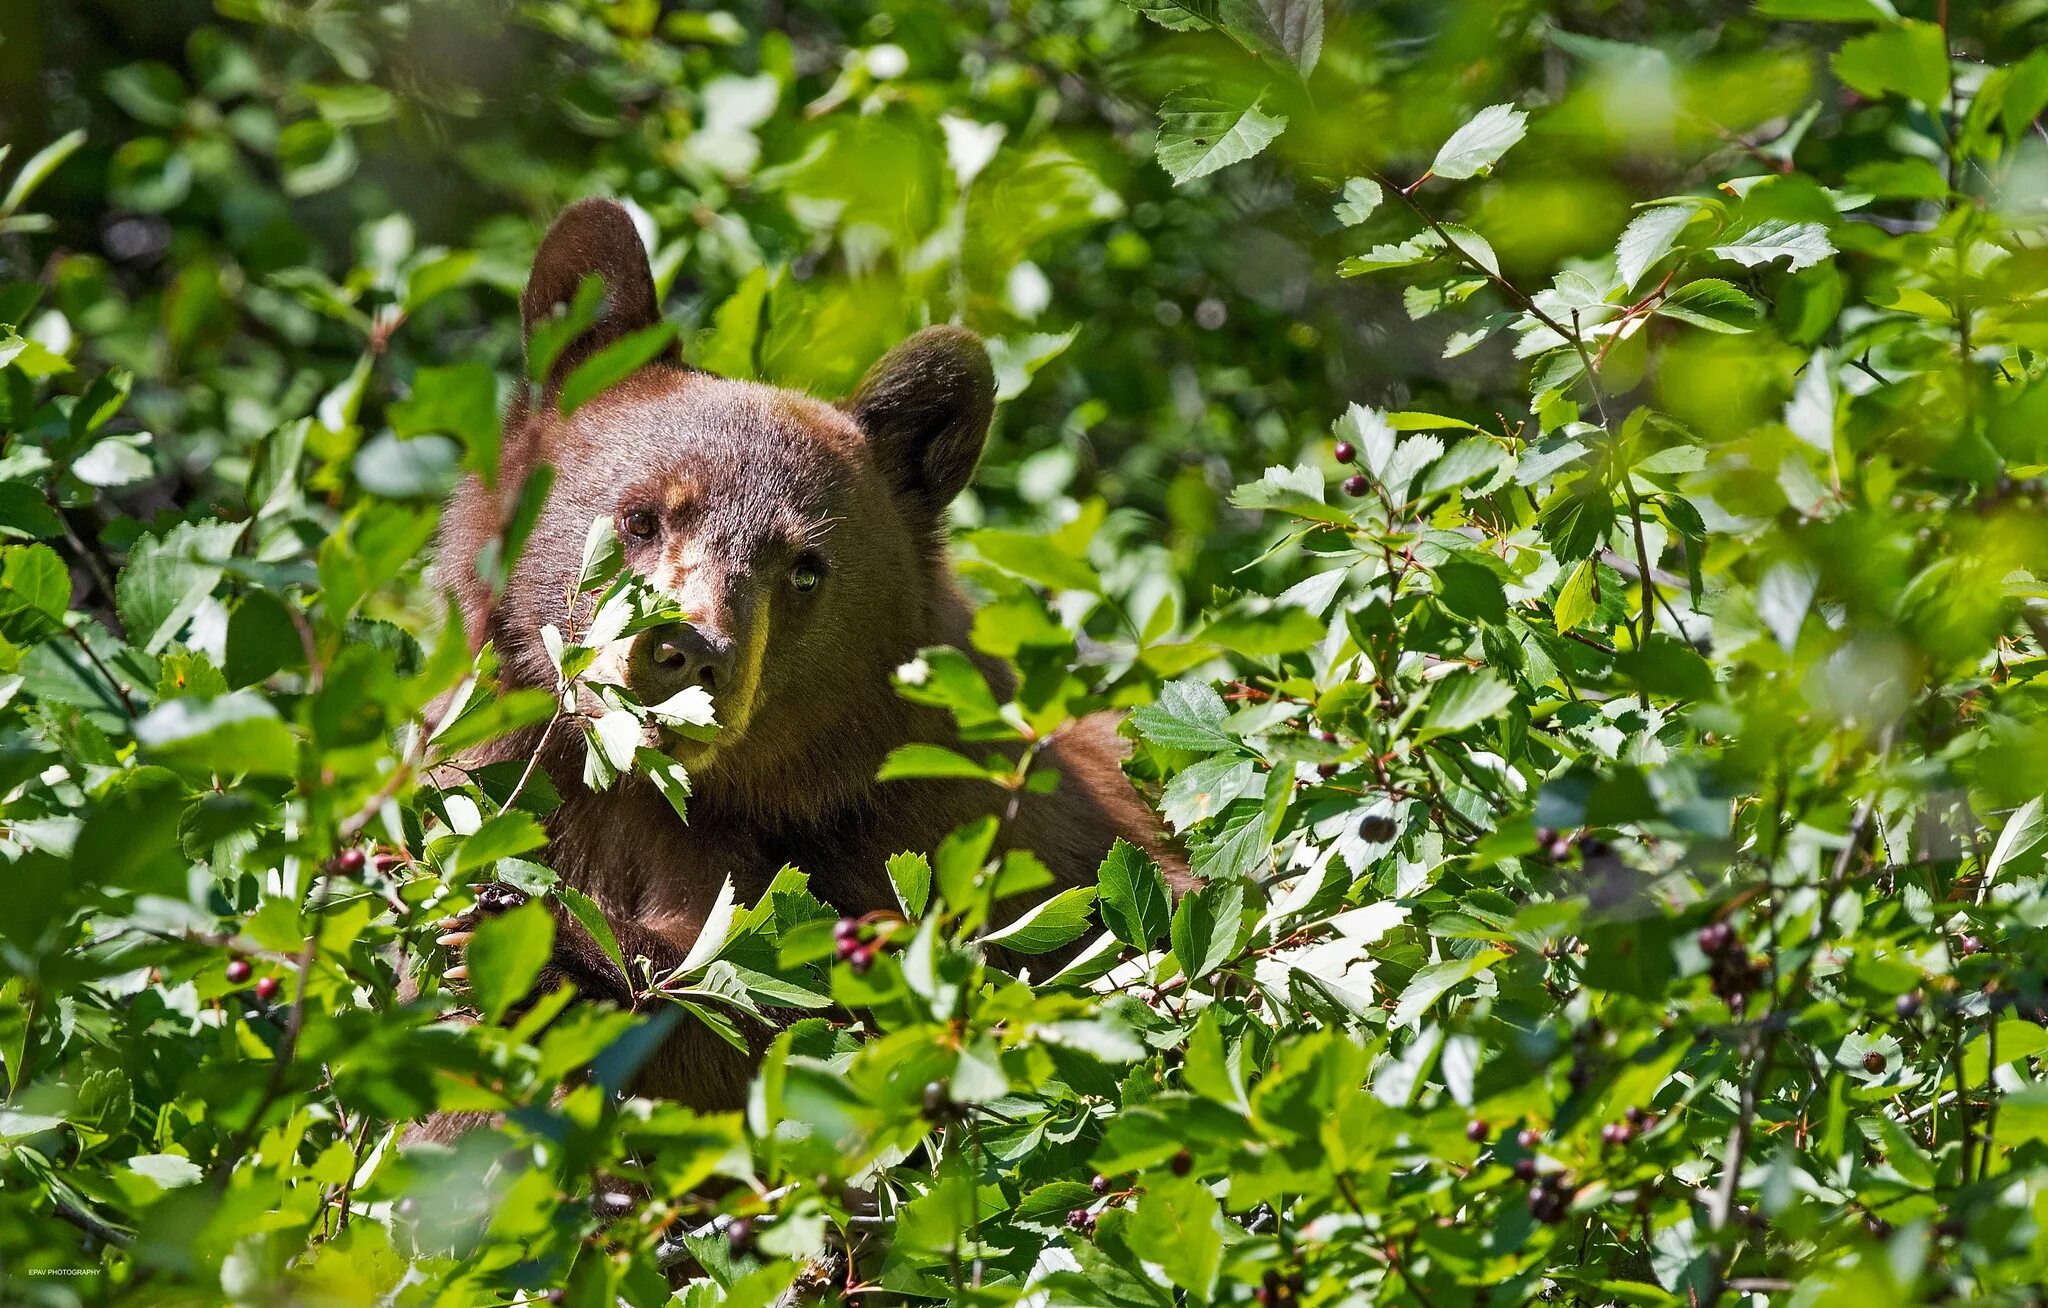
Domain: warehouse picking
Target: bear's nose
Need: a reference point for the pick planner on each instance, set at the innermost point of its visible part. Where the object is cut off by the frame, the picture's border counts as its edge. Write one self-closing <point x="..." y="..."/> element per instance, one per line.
<point x="681" y="655"/>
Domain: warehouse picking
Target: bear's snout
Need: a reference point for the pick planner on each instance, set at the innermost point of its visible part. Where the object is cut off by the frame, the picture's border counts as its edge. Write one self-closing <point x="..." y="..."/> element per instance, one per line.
<point x="672" y="658"/>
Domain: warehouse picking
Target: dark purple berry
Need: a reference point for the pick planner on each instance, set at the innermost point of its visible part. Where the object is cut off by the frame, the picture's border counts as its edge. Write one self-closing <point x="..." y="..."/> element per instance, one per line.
<point x="1908" y="1005"/>
<point x="937" y="1103"/>
<point x="348" y="863"/>
<point x="846" y="928"/>
<point x="266" y="989"/>
<point x="1525" y="1169"/>
<point x="739" y="1235"/>
<point x="1100" y="1184"/>
<point x="1346" y="451"/>
<point x="1378" y="829"/>
<point x="1969" y="945"/>
<point x="1326" y="770"/>
<point x="1182" y="1163"/>
<point x="861" y="959"/>
<point x="1637" y="1117"/>
<point x="1356" y="485"/>
<point x="1873" y="1063"/>
<point x="238" y="970"/>
<point x="1528" y="1137"/>
<point x="1476" y="1130"/>
<point x="1716" y="938"/>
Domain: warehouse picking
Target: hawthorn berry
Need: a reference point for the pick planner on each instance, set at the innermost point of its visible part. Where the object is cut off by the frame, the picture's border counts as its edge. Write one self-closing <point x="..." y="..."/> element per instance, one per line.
<point x="1969" y="945"/>
<point x="1546" y="1205"/>
<point x="1100" y="1184"/>
<point x="266" y="989"/>
<point x="1476" y="1130"/>
<point x="1080" y="1219"/>
<point x="1873" y="1062"/>
<point x="861" y="958"/>
<point x="1356" y="485"/>
<point x="238" y="970"/>
<point x="1182" y="1163"/>
<point x="1528" y="1137"/>
<point x="1326" y="770"/>
<point x="1345" y="451"/>
<point x="348" y="863"/>
<point x="1716" y="938"/>
<point x="739" y="1235"/>
<point x="1908" y="1005"/>
<point x="1525" y="1169"/>
<point x="1638" y="1117"/>
<point x="1377" y="828"/>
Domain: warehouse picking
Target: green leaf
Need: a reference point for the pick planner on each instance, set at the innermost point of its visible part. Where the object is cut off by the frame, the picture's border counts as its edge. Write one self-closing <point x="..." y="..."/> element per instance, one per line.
<point x="506" y="957"/>
<point x="1179" y="1226"/>
<point x="1361" y="196"/>
<point x="1058" y="921"/>
<point x="1199" y="135"/>
<point x="1136" y="905"/>
<point x="1462" y="700"/>
<point x="1205" y="927"/>
<point x="1478" y="145"/>
<point x="37" y="169"/>
<point x="35" y="592"/>
<point x="1713" y="304"/>
<point x="911" y="874"/>
<point x="459" y="401"/>
<point x="233" y="735"/>
<point x="612" y="365"/>
<point x="1801" y="244"/>
<point x="592" y="919"/>
<point x="925" y="761"/>
<point x="1433" y="982"/>
<point x="1187" y="715"/>
<point x="1909" y="59"/>
<point x="1649" y="236"/>
<point x="503" y="835"/>
<point x="1178" y="15"/>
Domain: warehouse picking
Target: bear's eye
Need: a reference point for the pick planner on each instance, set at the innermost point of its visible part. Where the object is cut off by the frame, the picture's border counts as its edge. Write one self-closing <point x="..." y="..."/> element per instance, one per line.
<point x="640" y="524"/>
<point x="807" y="573"/>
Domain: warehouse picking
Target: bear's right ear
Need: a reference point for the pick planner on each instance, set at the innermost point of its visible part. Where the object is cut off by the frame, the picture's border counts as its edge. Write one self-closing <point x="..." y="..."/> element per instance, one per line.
<point x="590" y="237"/>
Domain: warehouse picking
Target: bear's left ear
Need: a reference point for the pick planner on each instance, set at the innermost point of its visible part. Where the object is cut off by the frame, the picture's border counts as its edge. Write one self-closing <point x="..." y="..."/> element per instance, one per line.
<point x="926" y="407"/>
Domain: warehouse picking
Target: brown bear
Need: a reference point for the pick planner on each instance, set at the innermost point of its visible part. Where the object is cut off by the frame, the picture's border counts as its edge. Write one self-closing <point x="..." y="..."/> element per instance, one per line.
<point x="807" y="543"/>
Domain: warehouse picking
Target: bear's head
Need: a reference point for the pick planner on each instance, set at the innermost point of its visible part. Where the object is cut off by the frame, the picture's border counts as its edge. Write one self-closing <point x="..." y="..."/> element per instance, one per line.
<point x="804" y="540"/>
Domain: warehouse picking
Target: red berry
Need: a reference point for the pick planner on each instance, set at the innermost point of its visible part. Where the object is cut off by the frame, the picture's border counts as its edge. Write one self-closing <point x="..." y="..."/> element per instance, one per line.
<point x="846" y="928"/>
<point x="349" y="862"/>
<point x="266" y="989"/>
<point x="238" y="970"/>
<point x="1326" y="770"/>
<point x="1969" y="945"/>
<point x="1528" y="1137"/>
<point x="1873" y="1062"/>
<point x="1716" y="938"/>
<point x="1346" y="451"/>
<point x="1476" y="1130"/>
<point x="1356" y="485"/>
<point x="1525" y="1169"/>
<point x="861" y="958"/>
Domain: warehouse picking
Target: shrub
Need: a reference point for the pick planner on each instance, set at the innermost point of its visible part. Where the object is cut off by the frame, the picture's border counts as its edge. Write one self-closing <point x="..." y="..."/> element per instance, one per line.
<point x="1611" y="753"/>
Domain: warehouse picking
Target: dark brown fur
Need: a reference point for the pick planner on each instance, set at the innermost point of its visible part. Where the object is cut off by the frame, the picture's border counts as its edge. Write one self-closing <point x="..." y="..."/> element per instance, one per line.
<point x="746" y="479"/>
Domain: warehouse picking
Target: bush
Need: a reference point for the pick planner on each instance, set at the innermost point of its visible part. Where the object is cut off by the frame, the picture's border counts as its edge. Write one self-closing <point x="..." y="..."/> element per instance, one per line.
<point x="1612" y="754"/>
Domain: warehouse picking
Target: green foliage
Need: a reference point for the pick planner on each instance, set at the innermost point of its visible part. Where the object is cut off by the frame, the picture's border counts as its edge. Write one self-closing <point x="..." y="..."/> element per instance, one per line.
<point x="1617" y="787"/>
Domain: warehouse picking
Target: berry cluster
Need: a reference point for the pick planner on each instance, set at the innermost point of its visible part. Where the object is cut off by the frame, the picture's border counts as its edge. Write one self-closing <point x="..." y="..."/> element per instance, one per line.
<point x="856" y="943"/>
<point x="1636" y="1121"/>
<point x="238" y="971"/>
<point x="1278" y="1287"/>
<point x="1732" y="972"/>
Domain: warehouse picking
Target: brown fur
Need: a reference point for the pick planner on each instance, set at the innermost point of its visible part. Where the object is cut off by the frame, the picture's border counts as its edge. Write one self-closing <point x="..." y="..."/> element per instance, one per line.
<point x="745" y="479"/>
